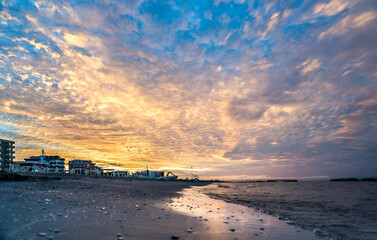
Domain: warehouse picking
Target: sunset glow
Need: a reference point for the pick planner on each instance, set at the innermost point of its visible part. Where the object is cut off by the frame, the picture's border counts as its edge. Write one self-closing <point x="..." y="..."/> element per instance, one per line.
<point x="230" y="89"/>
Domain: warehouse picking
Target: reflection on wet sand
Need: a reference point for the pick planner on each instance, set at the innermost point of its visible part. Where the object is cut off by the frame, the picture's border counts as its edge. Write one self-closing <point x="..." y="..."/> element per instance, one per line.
<point x="224" y="220"/>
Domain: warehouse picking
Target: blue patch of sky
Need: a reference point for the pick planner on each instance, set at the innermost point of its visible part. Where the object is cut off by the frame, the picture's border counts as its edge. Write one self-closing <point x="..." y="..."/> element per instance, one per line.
<point x="20" y="5"/>
<point x="296" y="4"/>
<point x="83" y="51"/>
<point x="161" y="12"/>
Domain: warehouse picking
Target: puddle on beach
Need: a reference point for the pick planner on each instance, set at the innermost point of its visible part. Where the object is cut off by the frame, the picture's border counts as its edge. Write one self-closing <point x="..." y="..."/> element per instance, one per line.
<point x="224" y="220"/>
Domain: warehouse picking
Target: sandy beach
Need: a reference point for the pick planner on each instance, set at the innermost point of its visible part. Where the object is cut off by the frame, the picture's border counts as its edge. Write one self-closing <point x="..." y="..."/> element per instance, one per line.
<point x="223" y="220"/>
<point x="74" y="207"/>
<point x="91" y="208"/>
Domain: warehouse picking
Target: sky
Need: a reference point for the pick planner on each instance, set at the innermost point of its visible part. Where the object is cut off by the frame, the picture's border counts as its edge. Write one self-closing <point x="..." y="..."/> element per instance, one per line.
<point x="230" y="89"/>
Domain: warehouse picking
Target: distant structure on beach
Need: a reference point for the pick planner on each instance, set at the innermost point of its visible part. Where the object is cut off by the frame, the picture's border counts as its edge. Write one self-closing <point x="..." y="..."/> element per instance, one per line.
<point x="6" y="154"/>
<point x="56" y="164"/>
<point x="87" y="167"/>
<point x="147" y="174"/>
<point x="84" y="167"/>
<point x="41" y="164"/>
<point x="115" y="173"/>
<point x="353" y="179"/>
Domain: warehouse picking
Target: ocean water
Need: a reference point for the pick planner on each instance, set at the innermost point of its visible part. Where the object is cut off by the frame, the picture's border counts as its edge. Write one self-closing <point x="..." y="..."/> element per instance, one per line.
<point x="343" y="210"/>
<point x="223" y="221"/>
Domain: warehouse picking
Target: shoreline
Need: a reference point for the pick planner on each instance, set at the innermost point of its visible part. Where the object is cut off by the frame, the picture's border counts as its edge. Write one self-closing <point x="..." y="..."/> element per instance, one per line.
<point x="59" y="207"/>
<point x="340" y="210"/>
<point x="223" y="220"/>
<point x="91" y="208"/>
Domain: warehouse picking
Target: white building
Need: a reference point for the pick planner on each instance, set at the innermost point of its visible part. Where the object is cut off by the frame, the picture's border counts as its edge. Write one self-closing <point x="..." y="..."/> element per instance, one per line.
<point x="84" y="167"/>
<point x="41" y="164"/>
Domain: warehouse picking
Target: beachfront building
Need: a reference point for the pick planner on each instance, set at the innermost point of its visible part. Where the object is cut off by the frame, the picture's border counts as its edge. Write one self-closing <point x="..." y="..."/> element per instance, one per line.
<point x="98" y="171"/>
<point x="31" y="165"/>
<point x="55" y="164"/>
<point x="6" y="153"/>
<point x="41" y="164"/>
<point x="84" y="167"/>
<point x="115" y="173"/>
<point x="156" y="174"/>
<point x="148" y="174"/>
<point x="120" y="173"/>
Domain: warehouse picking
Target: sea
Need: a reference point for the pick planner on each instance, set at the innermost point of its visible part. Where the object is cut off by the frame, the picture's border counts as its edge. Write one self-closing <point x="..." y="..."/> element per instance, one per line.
<point x="339" y="210"/>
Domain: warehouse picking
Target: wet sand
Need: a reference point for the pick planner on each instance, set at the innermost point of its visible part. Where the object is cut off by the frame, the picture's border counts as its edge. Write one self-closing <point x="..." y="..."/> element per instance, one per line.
<point x="113" y="208"/>
<point x="224" y="220"/>
<point x="342" y="210"/>
<point x="91" y="208"/>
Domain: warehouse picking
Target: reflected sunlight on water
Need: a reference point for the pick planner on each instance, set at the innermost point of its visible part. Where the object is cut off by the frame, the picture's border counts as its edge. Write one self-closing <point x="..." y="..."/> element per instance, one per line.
<point x="228" y="221"/>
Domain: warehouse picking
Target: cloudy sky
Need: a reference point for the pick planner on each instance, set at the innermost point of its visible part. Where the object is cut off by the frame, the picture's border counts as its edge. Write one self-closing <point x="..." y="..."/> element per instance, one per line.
<point x="233" y="89"/>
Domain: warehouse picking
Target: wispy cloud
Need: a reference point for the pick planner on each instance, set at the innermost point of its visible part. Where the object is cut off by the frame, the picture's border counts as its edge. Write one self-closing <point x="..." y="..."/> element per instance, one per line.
<point x="223" y="86"/>
<point x="332" y="7"/>
<point x="349" y="23"/>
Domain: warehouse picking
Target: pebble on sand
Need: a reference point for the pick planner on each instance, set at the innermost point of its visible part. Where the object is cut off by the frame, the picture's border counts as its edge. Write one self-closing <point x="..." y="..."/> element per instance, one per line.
<point x="232" y="230"/>
<point x="174" y="237"/>
<point x="41" y="234"/>
<point x="318" y="231"/>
